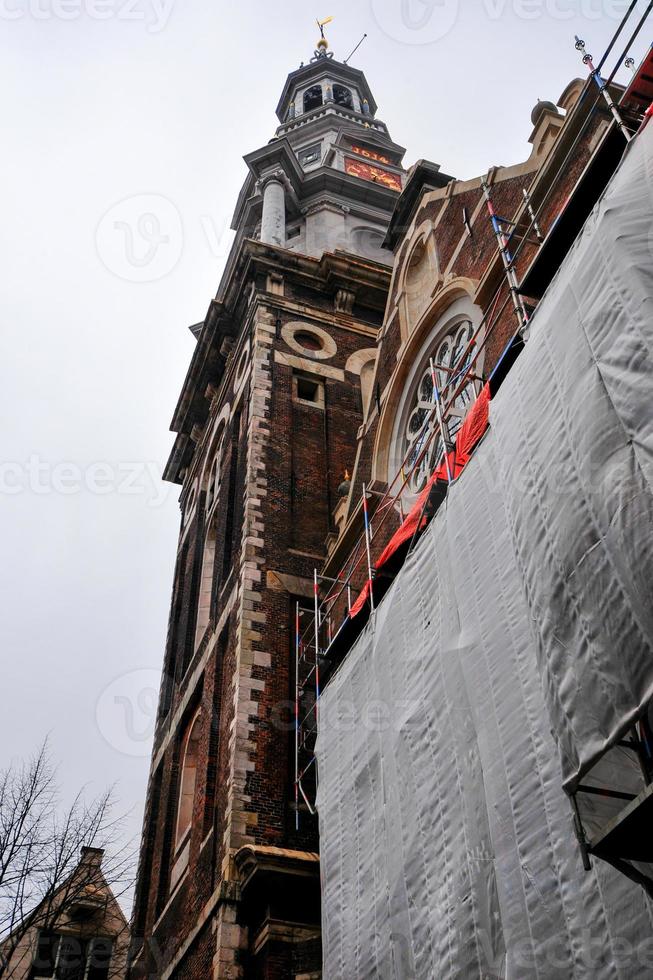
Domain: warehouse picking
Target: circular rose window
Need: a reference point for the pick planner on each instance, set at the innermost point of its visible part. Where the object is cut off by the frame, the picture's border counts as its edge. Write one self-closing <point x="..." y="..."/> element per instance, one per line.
<point x="422" y="442"/>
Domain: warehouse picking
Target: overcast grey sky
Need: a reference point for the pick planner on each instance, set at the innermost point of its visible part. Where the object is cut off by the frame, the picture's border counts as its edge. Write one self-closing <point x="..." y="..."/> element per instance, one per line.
<point x="125" y="123"/>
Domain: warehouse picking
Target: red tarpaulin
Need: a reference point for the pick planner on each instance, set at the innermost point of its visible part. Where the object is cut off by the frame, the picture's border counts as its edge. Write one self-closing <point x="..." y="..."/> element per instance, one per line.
<point x="469" y="433"/>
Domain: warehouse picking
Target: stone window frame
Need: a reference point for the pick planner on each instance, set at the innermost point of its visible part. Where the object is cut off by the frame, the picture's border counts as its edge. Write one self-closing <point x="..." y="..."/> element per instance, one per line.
<point x="186" y="791"/>
<point x="213" y="461"/>
<point x="329" y="348"/>
<point x="314" y="379"/>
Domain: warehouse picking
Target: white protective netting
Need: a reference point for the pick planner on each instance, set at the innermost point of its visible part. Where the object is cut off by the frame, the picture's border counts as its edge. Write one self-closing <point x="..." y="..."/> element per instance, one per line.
<point x="515" y="646"/>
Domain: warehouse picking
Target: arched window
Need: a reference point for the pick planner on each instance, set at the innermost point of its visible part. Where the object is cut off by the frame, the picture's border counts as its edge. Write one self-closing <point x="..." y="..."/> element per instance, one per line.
<point x="417" y="431"/>
<point x="213" y="485"/>
<point x="211" y="482"/>
<point x="312" y="98"/>
<point x="367" y="378"/>
<point x="187" y="780"/>
<point x="342" y="96"/>
<point x="214" y="475"/>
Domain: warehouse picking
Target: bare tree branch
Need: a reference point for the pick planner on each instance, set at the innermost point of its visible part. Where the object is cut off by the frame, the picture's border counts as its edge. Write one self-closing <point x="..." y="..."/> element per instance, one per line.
<point x="41" y="876"/>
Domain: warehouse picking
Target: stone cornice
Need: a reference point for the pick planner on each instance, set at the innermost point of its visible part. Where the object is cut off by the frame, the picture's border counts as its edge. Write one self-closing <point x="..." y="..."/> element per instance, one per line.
<point x="314" y="184"/>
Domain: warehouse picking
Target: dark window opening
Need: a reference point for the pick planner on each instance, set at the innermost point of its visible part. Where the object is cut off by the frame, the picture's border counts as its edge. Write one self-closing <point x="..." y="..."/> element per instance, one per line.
<point x="342" y="96"/>
<point x="293" y="232"/>
<point x="99" y="959"/>
<point x="313" y="98"/>
<point x="45" y="958"/>
<point x="176" y="634"/>
<point x="308" y="391"/>
<point x="71" y="958"/>
<point x="194" y="573"/>
<point x="310" y="341"/>
<point x="310" y="154"/>
<point x="231" y="498"/>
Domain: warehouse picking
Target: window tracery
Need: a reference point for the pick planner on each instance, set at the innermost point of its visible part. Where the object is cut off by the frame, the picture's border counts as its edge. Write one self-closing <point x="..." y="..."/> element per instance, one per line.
<point x="421" y="442"/>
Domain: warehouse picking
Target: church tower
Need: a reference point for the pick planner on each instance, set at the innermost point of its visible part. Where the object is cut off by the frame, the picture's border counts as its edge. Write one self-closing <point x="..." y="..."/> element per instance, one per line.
<point x="266" y="426"/>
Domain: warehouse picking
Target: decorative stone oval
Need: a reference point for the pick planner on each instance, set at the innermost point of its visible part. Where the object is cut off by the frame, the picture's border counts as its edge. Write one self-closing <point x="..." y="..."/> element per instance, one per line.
<point x="309" y="340"/>
<point x="241" y="367"/>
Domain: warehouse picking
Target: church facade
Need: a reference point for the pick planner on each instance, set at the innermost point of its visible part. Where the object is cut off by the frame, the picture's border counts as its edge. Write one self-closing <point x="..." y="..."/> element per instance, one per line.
<point x="347" y="278"/>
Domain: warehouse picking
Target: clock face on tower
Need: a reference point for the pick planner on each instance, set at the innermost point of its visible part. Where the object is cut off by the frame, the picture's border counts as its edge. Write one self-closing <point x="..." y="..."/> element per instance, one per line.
<point x="358" y="168"/>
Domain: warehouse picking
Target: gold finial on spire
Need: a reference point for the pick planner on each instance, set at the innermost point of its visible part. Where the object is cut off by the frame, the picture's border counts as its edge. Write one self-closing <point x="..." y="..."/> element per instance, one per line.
<point x="323" y="44"/>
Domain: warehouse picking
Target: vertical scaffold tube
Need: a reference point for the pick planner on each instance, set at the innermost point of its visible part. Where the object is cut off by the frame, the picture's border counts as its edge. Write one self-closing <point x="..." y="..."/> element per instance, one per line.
<point x="317" y="640"/>
<point x="532" y="215"/>
<point x="366" y="519"/>
<point x="444" y="432"/>
<point x="297" y="696"/>
<point x="595" y="74"/>
<point x="506" y="257"/>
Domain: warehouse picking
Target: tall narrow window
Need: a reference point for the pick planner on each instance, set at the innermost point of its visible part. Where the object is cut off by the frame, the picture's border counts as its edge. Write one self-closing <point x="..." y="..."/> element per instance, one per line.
<point x="231" y="497"/>
<point x="71" y="962"/>
<point x="212" y="485"/>
<point x="187" y="780"/>
<point x="45" y="956"/>
<point x="186" y="799"/>
<point x="99" y="959"/>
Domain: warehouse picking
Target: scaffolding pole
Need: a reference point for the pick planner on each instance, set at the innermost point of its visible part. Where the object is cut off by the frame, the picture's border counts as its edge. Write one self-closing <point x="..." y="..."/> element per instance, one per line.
<point x="595" y="74"/>
<point x="447" y="445"/>
<point x="506" y="257"/>
<point x="297" y="732"/>
<point x="368" y="550"/>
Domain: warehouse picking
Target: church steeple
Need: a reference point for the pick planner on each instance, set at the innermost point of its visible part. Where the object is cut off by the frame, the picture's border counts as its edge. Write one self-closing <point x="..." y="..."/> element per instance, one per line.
<point x="330" y="177"/>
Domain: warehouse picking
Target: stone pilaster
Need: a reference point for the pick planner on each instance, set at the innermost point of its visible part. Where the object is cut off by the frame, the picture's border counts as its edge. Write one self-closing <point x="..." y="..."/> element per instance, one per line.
<point x="251" y="623"/>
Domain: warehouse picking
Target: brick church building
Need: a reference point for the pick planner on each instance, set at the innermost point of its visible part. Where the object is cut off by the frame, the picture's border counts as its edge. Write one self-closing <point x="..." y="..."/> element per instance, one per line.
<point x="347" y="275"/>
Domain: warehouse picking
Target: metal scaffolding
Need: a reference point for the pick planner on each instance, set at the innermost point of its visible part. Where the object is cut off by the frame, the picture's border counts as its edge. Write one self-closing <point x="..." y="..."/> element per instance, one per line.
<point x="320" y="628"/>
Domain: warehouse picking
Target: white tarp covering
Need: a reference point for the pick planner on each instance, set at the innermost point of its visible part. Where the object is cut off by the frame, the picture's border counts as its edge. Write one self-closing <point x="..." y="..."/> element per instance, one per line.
<point x="512" y="649"/>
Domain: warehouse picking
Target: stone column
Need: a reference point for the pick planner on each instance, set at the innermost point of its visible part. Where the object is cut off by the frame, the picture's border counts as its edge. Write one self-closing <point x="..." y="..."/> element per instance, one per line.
<point x="273" y="223"/>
